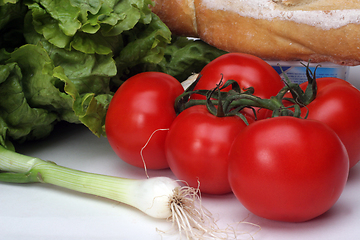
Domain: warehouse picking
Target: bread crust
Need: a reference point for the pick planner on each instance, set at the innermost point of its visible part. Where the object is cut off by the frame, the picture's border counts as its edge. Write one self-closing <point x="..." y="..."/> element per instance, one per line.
<point x="178" y="15"/>
<point x="236" y="29"/>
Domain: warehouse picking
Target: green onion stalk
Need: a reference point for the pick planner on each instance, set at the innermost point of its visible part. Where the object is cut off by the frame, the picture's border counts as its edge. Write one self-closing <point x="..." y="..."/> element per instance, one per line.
<point x="158" y="197"/>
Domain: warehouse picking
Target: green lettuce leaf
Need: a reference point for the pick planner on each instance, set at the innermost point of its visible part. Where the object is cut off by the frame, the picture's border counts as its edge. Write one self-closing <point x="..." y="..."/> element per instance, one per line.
<point x="30" y="103"/>
<point x="11" y="24"/>
<point x="87" y="26"/>
<point x="183" y="57"/>
<point x="85" y="77"/>
<point x="62" y="60"/>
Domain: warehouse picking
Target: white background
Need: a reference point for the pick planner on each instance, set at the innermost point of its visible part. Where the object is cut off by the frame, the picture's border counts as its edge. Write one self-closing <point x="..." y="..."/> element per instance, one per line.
<point x="41" y="211"/>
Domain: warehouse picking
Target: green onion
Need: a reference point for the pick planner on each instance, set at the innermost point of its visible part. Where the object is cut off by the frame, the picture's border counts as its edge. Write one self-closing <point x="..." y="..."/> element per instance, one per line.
<point x="159" y="197"/>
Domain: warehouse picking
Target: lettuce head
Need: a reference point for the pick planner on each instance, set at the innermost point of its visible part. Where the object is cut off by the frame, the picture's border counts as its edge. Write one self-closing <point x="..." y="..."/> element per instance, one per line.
<point x="62" y="60"/>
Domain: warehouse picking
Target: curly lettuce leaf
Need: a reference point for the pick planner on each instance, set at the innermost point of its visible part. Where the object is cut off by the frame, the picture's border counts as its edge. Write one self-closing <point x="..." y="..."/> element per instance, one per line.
<point x="184" y="57"/>
<point x="62" y="60"/>
<point x="4" y="2"/>
<point x="87" y="26"/>
<point x="180" y="59"/>
<point x="30" y="102"/>
<point x="89" y="108"/>
<point x="145" y="45"/>
<point x="86" y="77"/>
<point x="36" y="94"/>
<point x="11" y="24"/>
<point x="9" y="10"/>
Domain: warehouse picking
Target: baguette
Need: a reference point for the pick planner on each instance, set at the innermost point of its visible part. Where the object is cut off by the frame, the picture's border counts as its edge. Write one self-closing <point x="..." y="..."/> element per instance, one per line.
<point x="282" y="30"/>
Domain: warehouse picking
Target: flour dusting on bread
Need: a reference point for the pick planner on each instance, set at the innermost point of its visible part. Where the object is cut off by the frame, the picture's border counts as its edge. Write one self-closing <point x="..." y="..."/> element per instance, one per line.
<point x="294" y="2"/>
<point x="318" y="13"/>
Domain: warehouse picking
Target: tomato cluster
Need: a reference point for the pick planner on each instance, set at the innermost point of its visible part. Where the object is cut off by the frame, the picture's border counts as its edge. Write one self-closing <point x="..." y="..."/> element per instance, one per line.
<point x="292" y="167"/>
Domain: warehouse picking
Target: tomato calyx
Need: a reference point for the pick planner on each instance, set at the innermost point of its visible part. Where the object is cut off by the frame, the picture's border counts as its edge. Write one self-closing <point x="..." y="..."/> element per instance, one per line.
<point x="218" y="103"/>
<point x="232" y="102"/>
<point x="223" y="108"/>
<point x="229" y="103"/>
<point x="303" y="98"/>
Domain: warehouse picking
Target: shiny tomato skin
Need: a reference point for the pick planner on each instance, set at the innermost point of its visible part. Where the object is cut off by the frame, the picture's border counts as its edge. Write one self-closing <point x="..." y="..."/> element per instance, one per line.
<point x="143" y="104"/>
<point x="197" y="148"/>
<point x="337" y="104"/>
<point x="247" y="70"/>
<point x="288" y="169"/>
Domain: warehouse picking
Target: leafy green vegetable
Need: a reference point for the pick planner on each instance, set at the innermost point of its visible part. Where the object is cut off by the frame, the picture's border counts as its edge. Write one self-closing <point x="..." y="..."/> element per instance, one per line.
<point x="183" y="57"/>
<point x="62" y="60"/>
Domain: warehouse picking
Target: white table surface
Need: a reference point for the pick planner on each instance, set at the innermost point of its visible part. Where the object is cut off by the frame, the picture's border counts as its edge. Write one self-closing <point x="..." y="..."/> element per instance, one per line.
<point x="40" y="211"/>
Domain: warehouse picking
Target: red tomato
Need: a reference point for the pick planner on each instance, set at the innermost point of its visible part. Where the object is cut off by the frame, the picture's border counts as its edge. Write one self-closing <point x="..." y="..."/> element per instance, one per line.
<point x="197" y="148"/>
<point x="287" y="168"/>
<point x="143" y="104"/>
<point x="337" y="104"/>
<point x="247" y="70"/>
